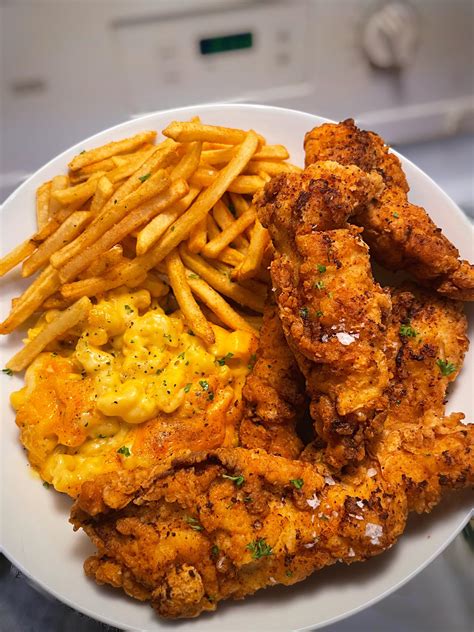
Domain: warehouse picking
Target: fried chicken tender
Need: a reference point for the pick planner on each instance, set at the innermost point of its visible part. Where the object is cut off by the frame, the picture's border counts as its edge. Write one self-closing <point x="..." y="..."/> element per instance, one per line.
<point x="274" y="393"/>
<point x="401" y="235"/>
<point x="226" y="523"/>
<point x="334" y="314"/>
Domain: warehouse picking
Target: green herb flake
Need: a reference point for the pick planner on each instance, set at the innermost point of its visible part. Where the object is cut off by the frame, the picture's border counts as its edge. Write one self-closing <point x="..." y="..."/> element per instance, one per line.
<point x="252" y="360"/>
<point x="145" y="177"/>
<point x="194" y="524"/>
<point x="289" y="574"/>
<point x="82" y="152"/>
<point x="395" y="215"/>
<point x="124" y="450"/>
<point x="297" y="482"/>
<point x="237" y="480"/>
<point x="407" y="331"/>
<point x="320" y="268"/>
<point x="259" y="548"/>
<point x="7" y="371"/>
<point x="445" y="367"/>
<point x="187" y="388"/>
<point x="304" y="311"/>
<point x="128" y="309"/>
<point x="223" y="360"/>
<point x="167" y="337"/>
<point x="46" y="485"/>
<point x="204" y="384"/>
<point x="193" y="275"/>
<point x="319" y="313"/>
<point x="215" y="550"/>
<point x="319" y="285"/>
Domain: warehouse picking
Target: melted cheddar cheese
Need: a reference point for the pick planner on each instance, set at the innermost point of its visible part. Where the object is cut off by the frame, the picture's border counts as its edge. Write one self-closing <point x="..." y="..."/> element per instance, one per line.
<point x="137" y="386"/>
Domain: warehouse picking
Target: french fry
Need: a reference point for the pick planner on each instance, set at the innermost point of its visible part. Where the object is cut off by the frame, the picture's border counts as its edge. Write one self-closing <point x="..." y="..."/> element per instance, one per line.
<point x="241" y="184"/>
<point x="185" y="132"/>
<point x="224" y="219"/>
<point x="115" y="208"/>
<point x="109" y="259"/>
<point x="111" y="149"/>
<point x="42" y="287"/>
<point x="264" y="176"/>
<point x="79" y="193"/>
<point x="137" y="217"/>
<point x="188" y="163"/>
<point x="157" y="227"/>
<point x="43" y="193"/>
<point x="56" y="301"/>
<point x="239" y="203"/>
<point x="66" y="232"/>
<point x="104" y="190"/>
<point x="223" y="155"/>
<point x="212" y="228"/>
<point x="270" y="167"/>
<point x="254" y="257"/>
<point x="198" y="236"/>
<point x="16" y="256"/>
<point x="214" y="247"/>
<point x="272" y="152"/>
<point x="221" y="282"/>
<point x="58" y="183"/>
<point x="57" y="327"/>
<point x="186" y="301"/>
<point x="216" y="303"/>
<point x="96" y="286"/>
<point x="231" y="257"/>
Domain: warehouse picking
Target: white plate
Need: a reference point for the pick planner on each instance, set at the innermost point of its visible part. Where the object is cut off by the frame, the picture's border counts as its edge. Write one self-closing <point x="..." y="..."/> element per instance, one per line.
<point x="35" y="533"/>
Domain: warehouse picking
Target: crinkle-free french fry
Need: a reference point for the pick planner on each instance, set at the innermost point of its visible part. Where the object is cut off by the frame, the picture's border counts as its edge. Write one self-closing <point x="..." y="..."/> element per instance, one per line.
<point x="52" y="330"/>
<point x="185" y="132"/>
<point x="186" y="301"/>
<point x="270" y="167"/>
<point x="254" y="256"/>
<point x="231" y="257"/>
<point x="216" y="303"/>
<point x="43" y="194"/>
<point x="42" y="287"/>
<point x="239" y="203"/>
<point x="79" y="193"/>
<point x="16" y="256"/>
<point x="223" y="155"/>
<point x="214" y="247"/>
<point x="58" y="183"/>
<point x="109" y="259"/>
<point x="165" y="195"/>
<point x="66" y="232"/>
<point x="241" y="184"/>
<point x="188" y="163"/>
<point x="96" y="286"/>
<point x="198" y="236"/>
<point x="156" y="228"/>
<point x="111" y="149"/>
<point x="221" y="282"/>
<point x="104" y="191"/>
<point x="224" y="219"/>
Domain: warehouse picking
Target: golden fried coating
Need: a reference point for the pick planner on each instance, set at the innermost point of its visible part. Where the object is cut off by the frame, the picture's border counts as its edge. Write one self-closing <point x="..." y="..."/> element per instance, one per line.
<point x="274" y="393"/>
<point x="401" y="235"/>
<point x="333" y="313"/>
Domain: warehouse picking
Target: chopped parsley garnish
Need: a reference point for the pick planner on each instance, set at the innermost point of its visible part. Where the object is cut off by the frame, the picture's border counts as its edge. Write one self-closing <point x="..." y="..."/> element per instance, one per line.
<point x="159" y="371"/>
<point x="407" y="331"/>
<point x="320" y="268"/>
<point x="319" y="285"/>
<point x="238" y="480"/>
<point x="7" y="371"/>
<point x="215" y="550"/>
<point x="187" y="388"/>
<point x="289" y="574"/>
<point x="222" y="361"/>
<point x="194" y="524"/>
<point x="204" y="384"/>
<point x="82" y="152"/>
<point x="124" y="450"/>
<point x="181" y="356"/>
<point x="445" y="367"/>
<point x="304" y="311"/>
<point x="259" y="548"/>
<point x="193" y="275"/>
<point x="319" y="313"/>
<point x="297" y="482"/>
<point x="46" y="485"/>
<point x="395" y="215"/>
<point x="128" y="309"/>
<point x="145" y="177"/>
<point x="167" y="337"/>
<point x="252" y="360"/>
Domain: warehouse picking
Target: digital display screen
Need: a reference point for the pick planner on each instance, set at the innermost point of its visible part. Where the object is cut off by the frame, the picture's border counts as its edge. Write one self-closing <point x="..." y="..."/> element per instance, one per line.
<point x="225" y="43"/>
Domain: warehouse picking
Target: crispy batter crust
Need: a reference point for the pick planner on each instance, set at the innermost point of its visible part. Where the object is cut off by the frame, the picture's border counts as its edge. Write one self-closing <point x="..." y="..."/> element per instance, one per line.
<point x="401" y="235"/>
